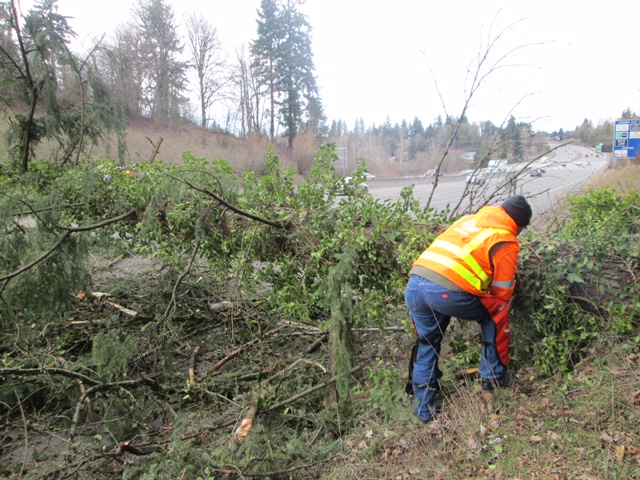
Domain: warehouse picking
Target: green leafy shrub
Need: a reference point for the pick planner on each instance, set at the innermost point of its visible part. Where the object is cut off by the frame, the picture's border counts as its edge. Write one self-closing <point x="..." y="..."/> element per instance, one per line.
<point x="576" y="295"/>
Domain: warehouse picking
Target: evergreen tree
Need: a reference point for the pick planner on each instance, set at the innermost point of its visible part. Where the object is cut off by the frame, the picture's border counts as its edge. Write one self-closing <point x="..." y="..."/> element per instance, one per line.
<point x="416" y="128"/>
<point x="315" y="122"/>
<point x="297" y="80"/>
<point x="58" y="96"/>
<point x="283" y="57"/>
<point x="160" y="48"/>
<point x="511" y="138"/>
<point x="265" y="52"/>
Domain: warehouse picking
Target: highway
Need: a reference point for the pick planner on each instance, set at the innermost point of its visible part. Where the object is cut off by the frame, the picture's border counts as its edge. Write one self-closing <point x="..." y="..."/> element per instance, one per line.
<point x="567" y="169"/>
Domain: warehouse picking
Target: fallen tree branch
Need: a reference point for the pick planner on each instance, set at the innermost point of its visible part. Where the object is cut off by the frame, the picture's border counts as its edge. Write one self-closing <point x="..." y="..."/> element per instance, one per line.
<point x="26" y="434"/>
<point x="38" y="260"/>
<point x="241" y="349"/>
<point x="47" y="209"/>
<point x="242" y="431"/>
<point x="127" y="312"/>
<point x="35" y="213"/>
<point x="265" y="474"/>
<point x="232" y="355"/>
<point x="240" y="435"/>
<point x="105" y="386"/>
<point x="65" y="235"/>
<point x="223" y="202"/>
<point x="101" y="297"/>
<point x="171" y="307"/>
<point x="315" y="345"/>
<point x="48" y="371"/>
<point x="309" y="391"/>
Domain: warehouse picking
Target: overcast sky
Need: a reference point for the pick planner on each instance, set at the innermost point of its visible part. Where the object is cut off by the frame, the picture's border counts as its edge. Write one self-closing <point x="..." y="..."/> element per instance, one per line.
<point x="402" y="59"/>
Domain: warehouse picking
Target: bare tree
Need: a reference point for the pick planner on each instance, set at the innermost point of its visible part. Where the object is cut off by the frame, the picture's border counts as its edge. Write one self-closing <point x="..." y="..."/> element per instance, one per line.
<point x="121" y="65"/>
<point x="208" y="61"/>
<point x="250" y="100"/>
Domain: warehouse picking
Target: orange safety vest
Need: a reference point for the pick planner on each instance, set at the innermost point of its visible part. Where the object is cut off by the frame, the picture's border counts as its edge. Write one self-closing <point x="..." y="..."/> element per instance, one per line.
<point x="464" y="253"/>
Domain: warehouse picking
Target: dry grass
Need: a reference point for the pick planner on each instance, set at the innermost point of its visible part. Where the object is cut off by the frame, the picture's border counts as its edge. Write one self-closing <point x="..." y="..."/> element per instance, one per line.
<point x="624" y="178"/>
<point x="579" y="427"/>
<point x="177" y="139"/>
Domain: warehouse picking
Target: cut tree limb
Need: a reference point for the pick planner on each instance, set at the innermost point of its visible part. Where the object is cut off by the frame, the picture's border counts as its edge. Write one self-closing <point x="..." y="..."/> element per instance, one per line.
<point x="192" y="365"/>
<point x="61" y="240"/>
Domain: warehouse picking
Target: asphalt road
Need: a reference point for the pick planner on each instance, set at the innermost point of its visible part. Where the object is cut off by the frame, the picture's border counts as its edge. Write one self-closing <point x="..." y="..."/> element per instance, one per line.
<point x="567" y="169"/>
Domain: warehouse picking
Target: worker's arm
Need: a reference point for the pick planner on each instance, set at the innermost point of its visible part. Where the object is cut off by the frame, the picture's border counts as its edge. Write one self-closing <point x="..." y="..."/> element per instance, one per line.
<point x="505" y="265"/>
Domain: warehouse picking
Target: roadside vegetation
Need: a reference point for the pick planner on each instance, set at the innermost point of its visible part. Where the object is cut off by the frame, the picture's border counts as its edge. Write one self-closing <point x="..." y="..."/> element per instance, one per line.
<point x="216" y="306"/>
<point x="186" y="322"/>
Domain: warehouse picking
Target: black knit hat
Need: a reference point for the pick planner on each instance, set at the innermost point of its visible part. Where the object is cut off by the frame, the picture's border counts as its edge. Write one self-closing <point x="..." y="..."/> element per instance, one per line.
<point x="518" y="209"/>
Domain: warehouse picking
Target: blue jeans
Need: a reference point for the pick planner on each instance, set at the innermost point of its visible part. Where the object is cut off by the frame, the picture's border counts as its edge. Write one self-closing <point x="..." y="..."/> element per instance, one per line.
<point x="432" y="307"/>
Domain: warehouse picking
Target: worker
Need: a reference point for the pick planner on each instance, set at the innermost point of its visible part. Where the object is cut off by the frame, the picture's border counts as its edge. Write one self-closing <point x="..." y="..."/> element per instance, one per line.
<point x="468" y="272"/>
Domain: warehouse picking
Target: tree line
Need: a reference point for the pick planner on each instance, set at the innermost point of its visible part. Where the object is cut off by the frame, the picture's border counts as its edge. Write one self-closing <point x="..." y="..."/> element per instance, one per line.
<point x="143" y="70"/>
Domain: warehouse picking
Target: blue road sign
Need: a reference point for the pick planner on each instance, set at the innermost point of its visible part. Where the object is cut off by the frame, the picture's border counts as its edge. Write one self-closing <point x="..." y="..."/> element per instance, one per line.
<point x="626" y="139"/>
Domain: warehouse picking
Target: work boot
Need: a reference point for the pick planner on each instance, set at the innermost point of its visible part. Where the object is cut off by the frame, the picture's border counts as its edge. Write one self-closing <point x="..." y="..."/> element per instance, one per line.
<point x="508" y="379"/>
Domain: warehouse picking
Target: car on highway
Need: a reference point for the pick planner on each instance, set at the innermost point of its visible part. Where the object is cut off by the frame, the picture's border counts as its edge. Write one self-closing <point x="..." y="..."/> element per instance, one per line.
<point x="345" y="186"/>
<point x="430" y="173"/>
<point x="369" y="176"/>
<point x="537" y="172"/>
<point x="476" y="179"/>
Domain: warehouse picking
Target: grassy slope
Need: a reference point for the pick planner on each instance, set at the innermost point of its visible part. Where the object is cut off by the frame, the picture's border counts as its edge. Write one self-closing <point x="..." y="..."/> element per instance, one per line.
<point x="175" y="139"/>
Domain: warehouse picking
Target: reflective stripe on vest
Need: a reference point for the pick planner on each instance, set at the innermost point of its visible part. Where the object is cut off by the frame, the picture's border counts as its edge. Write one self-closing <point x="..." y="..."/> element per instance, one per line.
<point x="477" y="277"/>
<point x="504" y="284"/>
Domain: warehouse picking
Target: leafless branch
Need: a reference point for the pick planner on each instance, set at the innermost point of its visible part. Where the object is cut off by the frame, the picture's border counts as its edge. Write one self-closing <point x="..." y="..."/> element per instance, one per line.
<point x="26" y="434"/>
<point x="101" y="387"/>
<point x="308" y="391"/>
<point x="155" y="151"/>
<point x="47" y="371"/>
<point x="192" y="365"/>
<point x="484" y="68"/>
<point x="171" y="307"/>
<point x="241" y="349"/>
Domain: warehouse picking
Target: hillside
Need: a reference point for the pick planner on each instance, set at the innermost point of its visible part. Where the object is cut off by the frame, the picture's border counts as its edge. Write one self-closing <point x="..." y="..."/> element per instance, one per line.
<point x="377" y="146"/>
